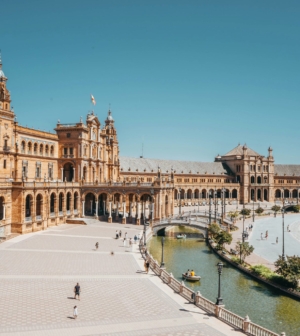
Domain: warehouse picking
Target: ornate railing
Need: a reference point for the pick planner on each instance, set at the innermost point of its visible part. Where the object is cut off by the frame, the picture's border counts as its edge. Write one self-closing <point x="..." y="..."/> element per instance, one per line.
<point x="236" y="321"/>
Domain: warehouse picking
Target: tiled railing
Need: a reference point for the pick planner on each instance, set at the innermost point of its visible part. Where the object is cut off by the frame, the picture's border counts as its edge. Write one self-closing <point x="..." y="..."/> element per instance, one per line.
<point x="238" y="322"/>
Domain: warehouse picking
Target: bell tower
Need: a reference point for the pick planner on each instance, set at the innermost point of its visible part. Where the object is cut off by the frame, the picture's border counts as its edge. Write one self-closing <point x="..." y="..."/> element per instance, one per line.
<point x="4" y="94"/>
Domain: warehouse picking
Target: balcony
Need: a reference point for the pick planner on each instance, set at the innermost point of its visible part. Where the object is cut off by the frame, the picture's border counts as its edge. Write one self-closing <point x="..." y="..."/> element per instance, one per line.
<point x="6" y="149"/>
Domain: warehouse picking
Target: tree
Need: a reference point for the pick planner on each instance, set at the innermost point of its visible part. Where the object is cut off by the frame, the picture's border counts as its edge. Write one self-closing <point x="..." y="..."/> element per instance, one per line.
<point x="213" y="230"/>
<point x="244" y="249"/>
<point x="296" y="208"/>
<point x="259" y="210"/>
<point x="233" y="215"/>
<point x="245" y="212"/>
<point x="275" y="208"/>
<point x="289" y="268"/>
<point x="222" y="238"/>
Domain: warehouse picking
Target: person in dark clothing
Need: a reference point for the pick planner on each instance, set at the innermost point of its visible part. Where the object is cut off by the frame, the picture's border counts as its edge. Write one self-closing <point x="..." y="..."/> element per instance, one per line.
<point x="77" y="291"/>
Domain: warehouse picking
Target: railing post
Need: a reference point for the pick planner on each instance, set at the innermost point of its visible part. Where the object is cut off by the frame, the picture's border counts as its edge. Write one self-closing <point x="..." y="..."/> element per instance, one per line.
<point x="282" y="334"/>
<point x="218" y="309"/>
<point x="246" y="324"/>
<point x="181" y="287"/>
<point x="198" y="295"/>
<point x="170" y="278"/>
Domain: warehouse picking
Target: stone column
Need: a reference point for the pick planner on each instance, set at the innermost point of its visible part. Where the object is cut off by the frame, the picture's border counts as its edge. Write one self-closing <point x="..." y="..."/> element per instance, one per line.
<point x="124" y="213"/>
<point x="3" y="211"/>
<point x="62" y="174"/>
<point x="83" y="209"/>
<point x="109" y="216"/>
<point x="97" y="209"/>
<point x="138" y="220"/>
<point x="74" y="176"/>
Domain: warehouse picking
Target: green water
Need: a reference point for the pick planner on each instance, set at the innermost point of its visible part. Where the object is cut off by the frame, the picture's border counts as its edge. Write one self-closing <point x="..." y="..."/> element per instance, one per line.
<point x="241" y="294"/>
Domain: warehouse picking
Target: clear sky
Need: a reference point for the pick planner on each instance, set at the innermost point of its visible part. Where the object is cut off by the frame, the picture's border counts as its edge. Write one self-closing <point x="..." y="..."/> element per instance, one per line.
<point x="190" y="79"/>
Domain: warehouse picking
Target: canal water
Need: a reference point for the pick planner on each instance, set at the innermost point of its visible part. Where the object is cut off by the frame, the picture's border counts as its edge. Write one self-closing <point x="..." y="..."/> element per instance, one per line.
<point x="241" y="294"/>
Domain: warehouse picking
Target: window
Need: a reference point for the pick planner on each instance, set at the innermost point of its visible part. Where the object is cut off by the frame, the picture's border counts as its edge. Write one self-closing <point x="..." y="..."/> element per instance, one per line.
<point x="210" y="180"/>
<point x="50" y="170"/>
<point x="68" y="135"/>
<point x="179" y="180"/>
<point x="4" y="164"/>
<point x="65" y="151"/>
<point x="202" y="180"/>
<point x="71" y="151"/>
<point x="195" y="180"/>
<point x="38" y="170"/>
<point x="186" y="180"/>
<point x="149" y="179"/>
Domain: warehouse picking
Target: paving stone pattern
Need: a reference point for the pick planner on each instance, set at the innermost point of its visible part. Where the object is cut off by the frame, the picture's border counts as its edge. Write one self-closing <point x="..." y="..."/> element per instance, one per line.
<point x="65" y="243"/>
<point x="63" y="263"/>
<point x="189" y="330"/>
<point x="42" y="303"/>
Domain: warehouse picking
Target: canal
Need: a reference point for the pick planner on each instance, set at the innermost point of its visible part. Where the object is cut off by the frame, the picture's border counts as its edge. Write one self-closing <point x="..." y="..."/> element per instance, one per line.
<point x="241" y="294"/>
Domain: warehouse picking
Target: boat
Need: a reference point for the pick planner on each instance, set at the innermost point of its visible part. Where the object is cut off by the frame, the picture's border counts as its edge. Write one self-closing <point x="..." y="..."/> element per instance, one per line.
<point x="191" y="278"/>
<point x="181" y="236"/>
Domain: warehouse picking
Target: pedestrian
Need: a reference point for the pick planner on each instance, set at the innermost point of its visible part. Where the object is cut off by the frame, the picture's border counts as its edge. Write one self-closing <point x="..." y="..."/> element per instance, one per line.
<point x="120" y="233"/>
<point x="117" y="234"/>
<point x="139" y="236"/>
<point x="147" y="266"/>
<point x="77" y="291"/>
<point x="261" y="236"/>
<point x="135" y="238"/>
<point x="288" y="227"/>
<point x="75" y="312"/>
<point x="126" y="235"/>
<point x="97" y="245"/>
<point x="130" y="244"/>
<point x="276" y="240"/>
<point x="124" y="242"/>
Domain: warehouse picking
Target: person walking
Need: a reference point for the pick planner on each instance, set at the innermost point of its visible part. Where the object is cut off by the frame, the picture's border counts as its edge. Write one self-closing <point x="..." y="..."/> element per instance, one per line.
<point x="130" y="244"/>
<point x="75" y="312"/>
<point x="125" y="235"/>
<point x="288" y="228"/>
<point x="77" y="291"/>
<point x="261" y="236"/>
<point x="120" y="233"/>
<point x="135" y="238"/>
<point x="139" y="236"/>
<point x="124" y="242"/>
<point x="276" y="240"/>
<point x="97" y="245"/>
<point x="117" y="234"/>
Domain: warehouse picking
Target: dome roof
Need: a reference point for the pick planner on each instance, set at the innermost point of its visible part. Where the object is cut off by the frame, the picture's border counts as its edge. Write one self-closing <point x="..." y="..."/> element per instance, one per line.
<point x="109" y="117"/>
<point x="2" y="73"/>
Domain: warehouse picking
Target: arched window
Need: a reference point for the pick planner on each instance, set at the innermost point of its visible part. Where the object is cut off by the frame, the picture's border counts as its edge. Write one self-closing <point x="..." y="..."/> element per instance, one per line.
<point x="46" y="150"/>
<point x="41" y="149"/>
<point x="23" y="147"/>
<point x="51" y="150"/>
<point x="265" y="179"/>
<point x="258" y="179"/>
<point x="52" y="203"/>
<point x="252" y="179"/>
<point x="39" y="201"/>
<point x="29" y="147"/>
<point x="278" y="193"/>
<point x="35" y="149"/>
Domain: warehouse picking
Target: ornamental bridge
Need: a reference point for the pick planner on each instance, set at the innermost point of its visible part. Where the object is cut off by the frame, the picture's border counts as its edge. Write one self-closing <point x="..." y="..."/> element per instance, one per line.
<point x="196" y="220"/>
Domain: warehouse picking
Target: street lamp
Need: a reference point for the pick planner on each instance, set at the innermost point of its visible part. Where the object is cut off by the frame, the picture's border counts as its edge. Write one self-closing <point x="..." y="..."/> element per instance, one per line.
<point x="253" y="212"/>
<point x="241" y="252"/>
<point x="180" y="202"/>
<point x="219" y="299"/>
<point x="162" y="264"/>
<point x="283" y="254"/>
<point x="144" y="227"/>
<point x="215" y="206"/>
<point x="209" y="207"/>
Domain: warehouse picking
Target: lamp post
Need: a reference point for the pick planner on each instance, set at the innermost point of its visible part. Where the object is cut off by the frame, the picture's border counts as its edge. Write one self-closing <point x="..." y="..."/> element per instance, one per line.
<point x="253" y="212"/>
<point x="243" y="234"/>
<point x="180" y="202"/>
<point x="152" y="205"/>
<point x="209" y="221"/>
<point x="219" y="299"/>
<point x="162" y="264"/>
<point x="283" y="254"/>
<point x="241" y="244"/>
<point x="144" y="226"/>
<point x="215" y="206"/>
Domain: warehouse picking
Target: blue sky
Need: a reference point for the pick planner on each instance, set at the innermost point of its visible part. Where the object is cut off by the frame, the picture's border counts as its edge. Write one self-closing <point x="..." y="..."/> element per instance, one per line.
<point x="190" y="79"/>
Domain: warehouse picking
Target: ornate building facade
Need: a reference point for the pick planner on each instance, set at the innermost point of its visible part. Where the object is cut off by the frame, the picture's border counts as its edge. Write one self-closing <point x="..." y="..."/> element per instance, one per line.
<point x="49" y="178"/>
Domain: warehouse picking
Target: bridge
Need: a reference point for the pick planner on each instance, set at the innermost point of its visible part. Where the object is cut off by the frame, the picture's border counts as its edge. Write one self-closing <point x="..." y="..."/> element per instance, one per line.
<point x="197" y="220"/>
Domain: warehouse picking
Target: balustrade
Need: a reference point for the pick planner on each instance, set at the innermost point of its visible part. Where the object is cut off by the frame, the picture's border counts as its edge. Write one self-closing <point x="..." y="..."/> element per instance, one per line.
<point x="231" y="318"/>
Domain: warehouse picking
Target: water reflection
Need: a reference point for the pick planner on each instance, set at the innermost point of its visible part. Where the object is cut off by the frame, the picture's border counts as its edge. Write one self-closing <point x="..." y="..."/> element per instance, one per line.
<point x="242" y="295"/>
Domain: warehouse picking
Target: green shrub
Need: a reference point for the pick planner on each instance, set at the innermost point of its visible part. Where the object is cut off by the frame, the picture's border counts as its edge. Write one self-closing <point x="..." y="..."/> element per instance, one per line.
<point x="259" y="210"/>
<point x="245" y="212"/>
<point x="236" y="260"/>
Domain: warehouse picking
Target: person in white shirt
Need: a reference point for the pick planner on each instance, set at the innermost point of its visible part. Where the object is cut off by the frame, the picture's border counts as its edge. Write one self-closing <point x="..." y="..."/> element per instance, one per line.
<point x="75" y="312"/>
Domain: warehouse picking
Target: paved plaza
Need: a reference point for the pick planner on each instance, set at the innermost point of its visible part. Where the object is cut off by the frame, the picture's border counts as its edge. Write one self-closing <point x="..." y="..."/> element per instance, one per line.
<point x="39" y="271"/>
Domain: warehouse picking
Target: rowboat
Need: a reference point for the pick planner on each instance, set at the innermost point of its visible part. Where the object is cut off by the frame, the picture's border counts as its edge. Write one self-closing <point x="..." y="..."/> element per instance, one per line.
<point x="191" y="278"/>
<point x="183" y="236"/>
